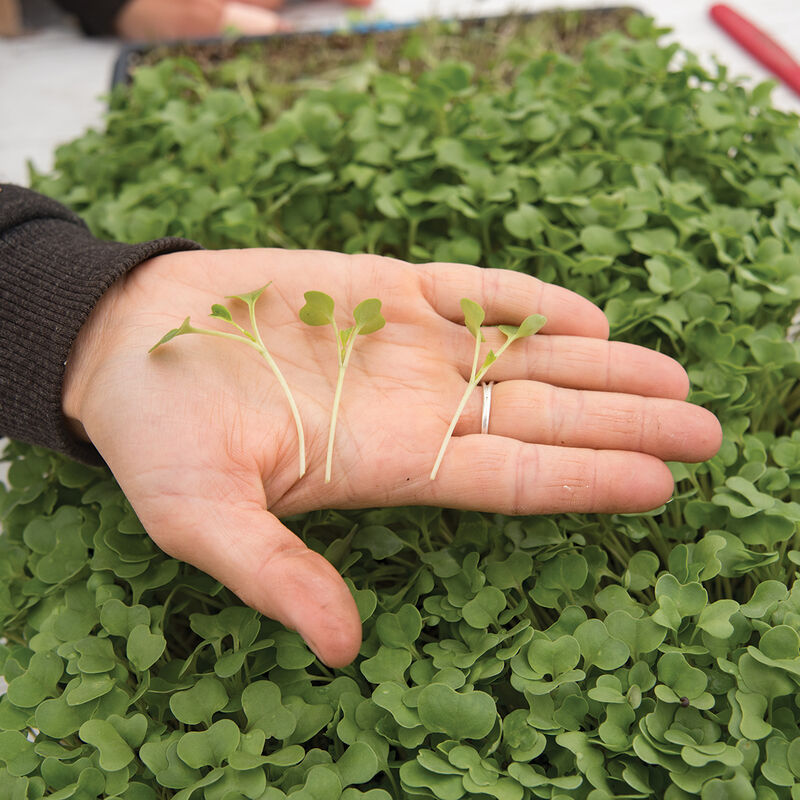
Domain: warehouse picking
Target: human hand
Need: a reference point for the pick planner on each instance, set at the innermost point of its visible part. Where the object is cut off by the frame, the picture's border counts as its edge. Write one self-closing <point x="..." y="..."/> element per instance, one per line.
<point x="177" y="19"/>
<point x="201" y="440"/>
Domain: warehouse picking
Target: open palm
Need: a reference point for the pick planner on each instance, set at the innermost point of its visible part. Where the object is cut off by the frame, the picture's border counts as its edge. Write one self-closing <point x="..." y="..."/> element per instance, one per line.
<point x="201" y="438"/>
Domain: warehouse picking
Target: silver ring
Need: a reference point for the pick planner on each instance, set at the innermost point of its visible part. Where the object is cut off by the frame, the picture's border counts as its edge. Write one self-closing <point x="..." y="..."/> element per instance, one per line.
<point x="487" y="406"/>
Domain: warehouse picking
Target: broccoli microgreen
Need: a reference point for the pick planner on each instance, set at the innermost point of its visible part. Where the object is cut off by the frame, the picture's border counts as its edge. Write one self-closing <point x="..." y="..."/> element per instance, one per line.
<point x="253" y="339"/>
<point x="473" y="319"/>
<point x="318" y="310"/>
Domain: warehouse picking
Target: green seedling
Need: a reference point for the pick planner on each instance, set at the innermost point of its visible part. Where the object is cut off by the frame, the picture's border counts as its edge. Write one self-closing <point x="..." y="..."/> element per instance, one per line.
<point x="251" y="338"/>
<point x="318" y="310"/>
<point x="473" y="319"/>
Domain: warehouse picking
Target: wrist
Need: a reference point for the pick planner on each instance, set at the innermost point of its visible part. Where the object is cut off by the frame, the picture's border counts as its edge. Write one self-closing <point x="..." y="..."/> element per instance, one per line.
<point x="84" y="358"/>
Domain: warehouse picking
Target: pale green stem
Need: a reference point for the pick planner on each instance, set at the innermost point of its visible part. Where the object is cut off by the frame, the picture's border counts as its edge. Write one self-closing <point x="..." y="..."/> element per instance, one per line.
<point x="467" y="392"/>
<point x="449" y="434"/>
<point x="500" y="351"/>
<point x="476" y="378"/>
<point x="301" y="438"/>
<point x="343" y="361"/>
<point x="258" y="345"/>
<point x="475" y="357"/>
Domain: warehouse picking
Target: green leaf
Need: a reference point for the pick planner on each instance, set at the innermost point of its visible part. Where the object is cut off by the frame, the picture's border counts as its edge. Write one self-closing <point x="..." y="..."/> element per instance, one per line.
<point x="603" y="241"/>
<point x="684" y="680"/>
<point x="399" y="629"/>
<point x="525" y="222"/>
<point x="211" y="747"/>
<point x="641" y="635"/>
<point x="200" y="702"/>
<point x="144" y="648"/>
<point x="484" y="609"/>
<point x="18" y="754"/>
<point x="491" y="357"/>
<point x="530" y="325"/>
<point x="38" y="682"/>
<point x="318" y="309"/>
<point x="599" y="648"/>
<point x="115" y="752"/>
<point x="715" y="618"/>
<point x="654" y="240"/>
<point x="473" y="316"/>
<point x="368" y="317"/>
<point x="470" y="715"/>
<point x="250" y="298"/>
<point x="765" y="599"/>
<point x="389" y="664"/>
<point x="261" y="703"/>
<point x="380" y="541"/>
<point x="184" y="327"/>
<point x="220" y="312"/>
<point x="554" y="657"/>
<point x="358" y="764"/>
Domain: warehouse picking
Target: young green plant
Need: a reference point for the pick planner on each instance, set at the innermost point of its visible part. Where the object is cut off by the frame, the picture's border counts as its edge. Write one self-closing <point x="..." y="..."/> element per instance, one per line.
<point x="251" y="338"/>
<point x="473" y="319"/>
<point x="318" y="310"/>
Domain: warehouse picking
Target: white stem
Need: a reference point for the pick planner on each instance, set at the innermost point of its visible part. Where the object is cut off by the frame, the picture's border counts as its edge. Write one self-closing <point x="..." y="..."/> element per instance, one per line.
<point x="448" y="435"/>
<point x="222" y="334"/>
<point x="343" y="361"/>
<point x="301" y="438"/>
<point x="475" y="356"/>
<point x="258" y="345"/>
<point x="332" y="430"/>
<point x="500" y="351"/>
<point x="473" y="382"/>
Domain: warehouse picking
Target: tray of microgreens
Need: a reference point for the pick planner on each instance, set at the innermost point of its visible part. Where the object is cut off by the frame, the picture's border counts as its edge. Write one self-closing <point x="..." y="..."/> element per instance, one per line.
<point x="582" y="656"/>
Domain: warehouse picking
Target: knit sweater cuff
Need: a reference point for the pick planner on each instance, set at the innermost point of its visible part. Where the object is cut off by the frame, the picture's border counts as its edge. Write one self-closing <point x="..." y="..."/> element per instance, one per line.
<point x="52" y="273"/>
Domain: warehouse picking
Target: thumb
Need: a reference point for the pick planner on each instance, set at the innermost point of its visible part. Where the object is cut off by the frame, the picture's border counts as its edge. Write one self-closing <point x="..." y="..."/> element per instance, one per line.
<point x="248" y="549"/>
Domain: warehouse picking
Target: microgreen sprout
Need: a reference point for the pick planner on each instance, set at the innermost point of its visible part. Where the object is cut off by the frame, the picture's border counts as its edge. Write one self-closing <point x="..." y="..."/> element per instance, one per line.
<point x="251" y="338"/>
<point x="473" y="319"/>
<point x="318" y="310"/>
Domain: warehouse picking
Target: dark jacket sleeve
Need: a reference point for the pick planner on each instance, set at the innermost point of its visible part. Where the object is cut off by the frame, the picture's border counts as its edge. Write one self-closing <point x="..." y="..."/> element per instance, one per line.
<point x="52" y="273"/>
<point x="96" y="17"/>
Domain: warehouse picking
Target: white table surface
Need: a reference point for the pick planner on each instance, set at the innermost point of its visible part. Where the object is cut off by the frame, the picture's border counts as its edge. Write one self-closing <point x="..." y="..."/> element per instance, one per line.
<point x="52" y="82"/>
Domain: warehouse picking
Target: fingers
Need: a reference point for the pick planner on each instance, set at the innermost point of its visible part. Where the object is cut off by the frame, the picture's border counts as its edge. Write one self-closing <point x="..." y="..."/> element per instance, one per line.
<point x="508" y="297"/>
<point x="266" y="565"/>
<point x="493" y="473"/>
<point x="530" y="411"/>
<point x="268" y="4"/>
<point x="578" y="363"/>
<point x="250" y="18"/>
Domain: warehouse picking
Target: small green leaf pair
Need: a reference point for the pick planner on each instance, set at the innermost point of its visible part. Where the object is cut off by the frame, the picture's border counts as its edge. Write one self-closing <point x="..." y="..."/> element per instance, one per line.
<point x="318" y="310"/>
<point x="473" y="318"/>
<point x="251" y="338"/>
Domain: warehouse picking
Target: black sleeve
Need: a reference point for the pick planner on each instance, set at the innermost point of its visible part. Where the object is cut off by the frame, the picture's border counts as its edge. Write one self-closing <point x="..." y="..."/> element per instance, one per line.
<point x="96" y="17"/>
<point x="52" y="273"/>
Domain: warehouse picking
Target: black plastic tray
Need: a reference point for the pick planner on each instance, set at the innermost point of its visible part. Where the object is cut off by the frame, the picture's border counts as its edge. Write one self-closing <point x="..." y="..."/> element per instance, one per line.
<point x="132" y="54"/>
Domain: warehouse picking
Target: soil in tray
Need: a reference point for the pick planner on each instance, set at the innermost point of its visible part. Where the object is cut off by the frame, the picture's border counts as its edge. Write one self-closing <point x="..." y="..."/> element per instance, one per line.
<point x="288" y="64"/>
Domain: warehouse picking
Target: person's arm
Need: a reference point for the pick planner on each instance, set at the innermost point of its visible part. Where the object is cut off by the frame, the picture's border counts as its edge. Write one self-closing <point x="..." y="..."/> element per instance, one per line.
<point x="96" y="17"/>
<point x="52" y="273"/>
<point x="175" y="19"/>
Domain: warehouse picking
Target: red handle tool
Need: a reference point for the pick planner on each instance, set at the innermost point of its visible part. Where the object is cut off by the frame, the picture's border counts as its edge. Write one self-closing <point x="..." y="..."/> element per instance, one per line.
<point x="758" y="44"/>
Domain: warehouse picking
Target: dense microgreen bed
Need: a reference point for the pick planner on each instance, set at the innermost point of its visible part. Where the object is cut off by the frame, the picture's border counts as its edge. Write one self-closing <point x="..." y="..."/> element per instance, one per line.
<point x="575" y="656"/>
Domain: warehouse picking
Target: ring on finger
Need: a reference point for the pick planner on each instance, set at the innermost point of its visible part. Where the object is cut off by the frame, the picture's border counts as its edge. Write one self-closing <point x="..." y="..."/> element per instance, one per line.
<point x="487" y="405"/>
